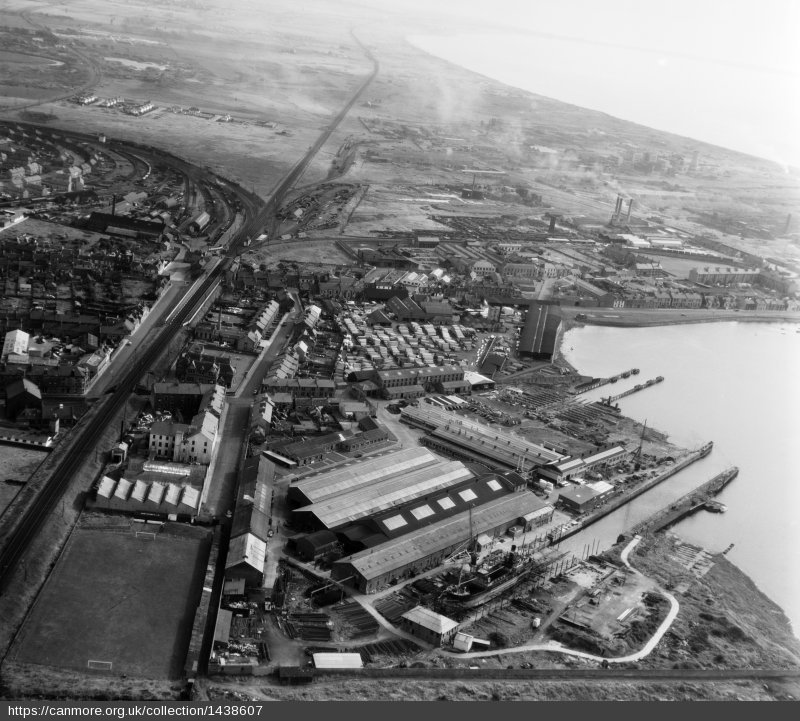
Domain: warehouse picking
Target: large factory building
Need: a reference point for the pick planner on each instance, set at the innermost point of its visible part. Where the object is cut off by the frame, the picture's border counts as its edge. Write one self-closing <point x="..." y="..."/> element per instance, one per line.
<point x="459" y="437"/>
<point x="319" y="486"/>
<point x="425" y="548"/>
<point x="539" y="337"/>
<point x="380" y="495"/>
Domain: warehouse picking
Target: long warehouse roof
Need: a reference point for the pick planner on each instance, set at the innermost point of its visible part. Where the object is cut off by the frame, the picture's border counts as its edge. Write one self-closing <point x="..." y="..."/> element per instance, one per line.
<point x="399" y="552"/>
<point x="387" y="493"/>
<point x="326" y="484"/>
<point x="473" y="432"/>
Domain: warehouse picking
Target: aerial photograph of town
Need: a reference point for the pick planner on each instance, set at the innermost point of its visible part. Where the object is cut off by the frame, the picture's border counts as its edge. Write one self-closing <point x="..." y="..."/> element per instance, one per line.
<point x="356" y="350"/>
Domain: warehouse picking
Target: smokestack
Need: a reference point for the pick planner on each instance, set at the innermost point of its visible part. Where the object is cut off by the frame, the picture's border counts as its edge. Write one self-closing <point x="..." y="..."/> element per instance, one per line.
<point x="630" y="210"/>
<point x="788" y="223"/>
<point x="618" y="208"/>
<point x="552" y="223"/>
<point x="113" y="204"/>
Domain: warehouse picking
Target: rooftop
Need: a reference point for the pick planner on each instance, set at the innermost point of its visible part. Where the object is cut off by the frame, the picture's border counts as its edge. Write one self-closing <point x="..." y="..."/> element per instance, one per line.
<point x="399" y="552"/>
<point x="386" y="493"/>
<point x="325" y="484"/>
<point x="431" y="620"/>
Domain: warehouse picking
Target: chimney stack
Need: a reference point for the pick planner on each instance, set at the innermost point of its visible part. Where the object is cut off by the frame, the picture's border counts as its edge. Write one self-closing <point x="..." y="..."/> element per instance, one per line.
<point x="630" y="210"/>
<point x="113" y="204"/>
<point x="552" y="223"/>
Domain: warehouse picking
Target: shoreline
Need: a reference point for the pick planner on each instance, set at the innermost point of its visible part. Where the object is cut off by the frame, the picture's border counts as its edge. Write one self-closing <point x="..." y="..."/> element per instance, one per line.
<point x="466" y="32"/>
<point x="663" y="317"/>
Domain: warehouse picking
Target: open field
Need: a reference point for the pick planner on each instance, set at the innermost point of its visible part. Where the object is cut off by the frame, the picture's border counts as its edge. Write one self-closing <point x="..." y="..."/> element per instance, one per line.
<point x="119" y="598"/>
<point x="305" y="252"/>
<point x="18" y="463"/>
<point x="351" y="689"/>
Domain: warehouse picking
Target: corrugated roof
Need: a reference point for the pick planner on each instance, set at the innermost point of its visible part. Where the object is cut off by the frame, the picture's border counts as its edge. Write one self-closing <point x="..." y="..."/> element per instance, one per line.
<point x="191" y="497"/>
<point x="386" y="493"/>
<point x="403" y="550"/>
<point x="140" y="491"/>
<point x="320" y="486"/>
<point x="107" y="486"/>
<point x="431" y="620"/>
<point x="156" y="493"/>
<point x="541" y="329"/>
<point x="173" y="494"/>
<point x="247" y="549"/>
<point x="123" y="489"/>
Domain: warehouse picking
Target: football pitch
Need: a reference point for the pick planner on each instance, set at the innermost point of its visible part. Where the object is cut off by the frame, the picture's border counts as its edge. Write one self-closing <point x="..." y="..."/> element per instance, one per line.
<point x="118" y="603"/>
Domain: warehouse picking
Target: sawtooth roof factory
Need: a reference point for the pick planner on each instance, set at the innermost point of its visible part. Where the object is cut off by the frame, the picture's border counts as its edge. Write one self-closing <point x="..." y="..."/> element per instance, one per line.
<point x="410" y="509"/>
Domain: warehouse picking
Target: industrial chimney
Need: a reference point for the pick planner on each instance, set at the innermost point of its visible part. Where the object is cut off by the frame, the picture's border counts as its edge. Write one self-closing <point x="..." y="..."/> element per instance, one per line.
<point x="630" y="210"/>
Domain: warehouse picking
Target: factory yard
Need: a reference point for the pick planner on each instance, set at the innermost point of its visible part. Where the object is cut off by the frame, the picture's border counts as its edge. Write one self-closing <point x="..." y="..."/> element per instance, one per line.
<point x="308" y="253"/>
<point x="119" y="600"/>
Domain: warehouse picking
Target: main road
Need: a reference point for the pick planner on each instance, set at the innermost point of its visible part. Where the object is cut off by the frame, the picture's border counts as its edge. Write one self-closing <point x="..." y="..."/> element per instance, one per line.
<point x="258" y="214"/>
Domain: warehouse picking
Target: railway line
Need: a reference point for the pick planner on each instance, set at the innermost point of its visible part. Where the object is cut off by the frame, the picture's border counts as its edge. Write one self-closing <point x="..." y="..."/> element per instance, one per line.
<point x="258" y="214"/>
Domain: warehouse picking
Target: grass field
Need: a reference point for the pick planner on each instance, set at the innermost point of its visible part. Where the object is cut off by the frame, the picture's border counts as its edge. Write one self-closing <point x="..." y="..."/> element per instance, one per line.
<point x="115" y="597"/>
<point x="16" y="462"/>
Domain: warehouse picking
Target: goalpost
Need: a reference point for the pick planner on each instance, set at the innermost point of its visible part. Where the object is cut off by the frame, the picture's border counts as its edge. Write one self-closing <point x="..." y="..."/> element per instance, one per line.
<point x="100" y="665"/>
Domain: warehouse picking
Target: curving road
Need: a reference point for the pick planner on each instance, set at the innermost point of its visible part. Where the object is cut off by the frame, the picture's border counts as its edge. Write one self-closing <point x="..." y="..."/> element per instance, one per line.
<point x="94" y="77"/>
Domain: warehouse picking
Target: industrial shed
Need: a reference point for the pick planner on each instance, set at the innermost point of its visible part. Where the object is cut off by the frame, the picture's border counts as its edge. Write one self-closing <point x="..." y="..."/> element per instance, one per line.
<point x="246" y="556"/>
<point x="430" y="626"/>
<point x="381" y="495"/>
<point x="316" y="545"/>
<point x="578" y="466"/>
<point x="158" y="500"/>
<point x="338" y="660"/>
<point x="579" y="498"/>
<point x="426" y="548"/>
<point x="326" y="484"/>
<point x="21" y="395"/>
<point x="252" y="512"/>
<point x="539" y="337"/>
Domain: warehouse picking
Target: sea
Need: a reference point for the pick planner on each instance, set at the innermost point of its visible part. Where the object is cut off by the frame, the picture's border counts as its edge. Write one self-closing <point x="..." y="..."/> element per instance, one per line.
<point x="683" y="93"/>
<point x="732" y="383"/>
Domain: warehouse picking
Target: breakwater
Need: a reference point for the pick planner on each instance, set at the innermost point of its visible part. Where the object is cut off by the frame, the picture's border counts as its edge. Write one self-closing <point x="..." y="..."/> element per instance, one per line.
<point x="692" y="502"/>
<point x="626" y="497"/>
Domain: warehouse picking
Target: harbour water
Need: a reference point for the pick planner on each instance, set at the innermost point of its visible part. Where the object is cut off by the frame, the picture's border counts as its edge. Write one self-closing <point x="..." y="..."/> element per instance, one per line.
<point x="735" y="384"/>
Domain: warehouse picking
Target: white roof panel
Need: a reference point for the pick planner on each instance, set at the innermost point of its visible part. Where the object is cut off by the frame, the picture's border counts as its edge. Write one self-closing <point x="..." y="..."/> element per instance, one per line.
<point x="173" y="494"/>
<point x="140" y="491"/>
<point x="422" y="512"/>
<point x="395" y="522"/>
<point x="191" y="497"/>
<point x="156" y="493"/>
<point x="107" y="486"/>
<point x="123" y="489"/>
<point x="468" y="495"/>
<point x="338" y="660"/>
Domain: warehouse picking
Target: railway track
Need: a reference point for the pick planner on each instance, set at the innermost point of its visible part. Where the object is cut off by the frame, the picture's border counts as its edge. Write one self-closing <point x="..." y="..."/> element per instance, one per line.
<point x="258" y="214"/>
